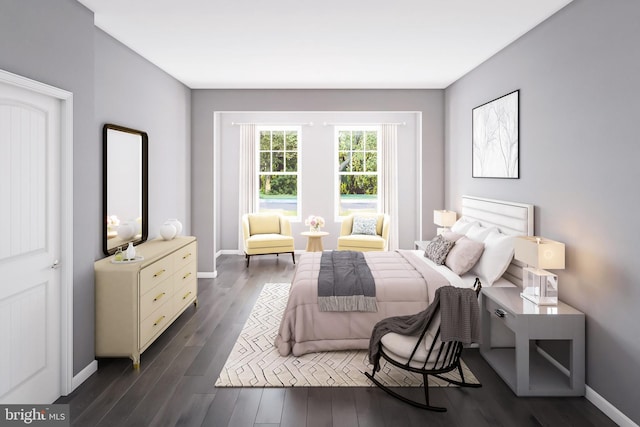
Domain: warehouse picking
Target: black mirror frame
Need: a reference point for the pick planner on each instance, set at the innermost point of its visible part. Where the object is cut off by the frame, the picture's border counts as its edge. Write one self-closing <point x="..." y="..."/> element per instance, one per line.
<point x="145" y="185"/>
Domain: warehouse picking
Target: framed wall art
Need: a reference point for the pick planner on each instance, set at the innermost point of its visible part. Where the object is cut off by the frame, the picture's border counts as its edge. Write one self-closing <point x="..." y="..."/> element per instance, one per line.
<point x="495" y="138"/>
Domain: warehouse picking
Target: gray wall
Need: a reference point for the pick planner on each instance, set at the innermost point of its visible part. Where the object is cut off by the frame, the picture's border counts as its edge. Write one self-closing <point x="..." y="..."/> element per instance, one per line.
<point x="52" y="42"/>
<point x="132" y="92"/>
<point x="206" y="102"/>
<point x="579" y="150"/>
<point x="56" y="42"/>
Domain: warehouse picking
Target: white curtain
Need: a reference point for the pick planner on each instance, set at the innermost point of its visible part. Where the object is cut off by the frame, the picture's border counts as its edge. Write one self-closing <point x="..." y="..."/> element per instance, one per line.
<point x="389" y="179"/>
<point x="248" y="180"/>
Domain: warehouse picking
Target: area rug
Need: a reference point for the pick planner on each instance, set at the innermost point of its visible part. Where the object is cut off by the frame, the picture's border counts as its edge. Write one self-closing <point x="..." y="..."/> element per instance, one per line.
<point x="255" y="362"/>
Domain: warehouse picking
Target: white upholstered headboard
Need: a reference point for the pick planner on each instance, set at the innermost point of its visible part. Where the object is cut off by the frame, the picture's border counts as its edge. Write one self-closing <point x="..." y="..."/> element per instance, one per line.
<point x="515" y="219"/>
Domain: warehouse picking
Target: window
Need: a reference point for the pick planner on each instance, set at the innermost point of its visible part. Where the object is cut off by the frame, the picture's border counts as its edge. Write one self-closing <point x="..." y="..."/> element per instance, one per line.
<point x="357" y="166"/>
<point x="279" y="170"/>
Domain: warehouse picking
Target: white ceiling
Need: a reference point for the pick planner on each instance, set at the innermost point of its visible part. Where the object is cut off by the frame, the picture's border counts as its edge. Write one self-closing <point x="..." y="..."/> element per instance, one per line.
<point x="318" y="44"/>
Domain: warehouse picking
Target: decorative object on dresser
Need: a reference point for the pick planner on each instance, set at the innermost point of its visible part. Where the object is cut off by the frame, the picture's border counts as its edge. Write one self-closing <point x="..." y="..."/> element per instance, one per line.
<point x="540" y="286"/>
<point x="177" y="224"/>
<point x="512" y="330"/>
<point x="136" y="302"/>
<point x="444" y="219"/>
<point x="168" y="231"/>
<point x="495" y="138"/>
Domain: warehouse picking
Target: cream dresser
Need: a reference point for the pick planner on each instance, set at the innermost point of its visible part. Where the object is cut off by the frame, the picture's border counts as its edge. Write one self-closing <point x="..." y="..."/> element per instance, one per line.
<point x="136" y="302"/>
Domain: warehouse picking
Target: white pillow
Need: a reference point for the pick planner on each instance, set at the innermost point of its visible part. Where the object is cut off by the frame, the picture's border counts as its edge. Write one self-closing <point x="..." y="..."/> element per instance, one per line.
<point x="462" y="225"/>
<point x="479" y="233"/>
<point x="498" y="252"/>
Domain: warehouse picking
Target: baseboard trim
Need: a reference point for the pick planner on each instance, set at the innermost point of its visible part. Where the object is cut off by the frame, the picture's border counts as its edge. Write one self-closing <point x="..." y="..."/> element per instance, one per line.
<point x="83" y="375"/>
<point x="598" y="401"/>
<point x="207" y="274"/>
<point x="229" y="252"/>
<point x="609" y="410"/>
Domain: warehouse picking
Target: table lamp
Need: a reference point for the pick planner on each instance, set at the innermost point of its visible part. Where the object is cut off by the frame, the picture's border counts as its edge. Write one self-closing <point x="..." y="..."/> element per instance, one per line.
<point x="539" y="286"/>
<point x="444" y="219"/>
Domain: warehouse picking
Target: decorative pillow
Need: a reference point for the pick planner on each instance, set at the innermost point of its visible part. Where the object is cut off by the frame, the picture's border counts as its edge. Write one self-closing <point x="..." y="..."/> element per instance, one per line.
<point x="479" y="233"/>
<point x="498" y="252"/>
<point x="462" y="225"/>
<point x="451" y="236"/>
<point x="364" y="225"/>
<point x="464" y="255"/>
<point x="437" y="249"/>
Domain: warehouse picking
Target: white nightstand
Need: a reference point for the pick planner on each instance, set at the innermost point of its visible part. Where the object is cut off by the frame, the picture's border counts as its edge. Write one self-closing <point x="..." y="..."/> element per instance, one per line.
<point x="521" y="365"/>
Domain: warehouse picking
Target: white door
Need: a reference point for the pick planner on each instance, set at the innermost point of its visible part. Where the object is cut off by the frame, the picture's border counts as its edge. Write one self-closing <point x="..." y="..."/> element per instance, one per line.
<point x="30" y="334"/>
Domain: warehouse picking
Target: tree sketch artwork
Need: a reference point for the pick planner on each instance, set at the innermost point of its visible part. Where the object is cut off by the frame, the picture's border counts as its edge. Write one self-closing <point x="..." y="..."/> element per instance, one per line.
<point x="495" y="138"/>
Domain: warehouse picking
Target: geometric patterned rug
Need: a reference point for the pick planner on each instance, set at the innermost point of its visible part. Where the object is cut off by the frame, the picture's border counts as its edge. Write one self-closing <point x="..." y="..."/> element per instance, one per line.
<point x="255" y="362"/>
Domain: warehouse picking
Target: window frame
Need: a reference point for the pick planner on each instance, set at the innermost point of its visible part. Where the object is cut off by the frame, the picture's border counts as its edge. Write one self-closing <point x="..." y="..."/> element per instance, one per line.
<point x="337" y="174"/>
<point x="298" y="173"/>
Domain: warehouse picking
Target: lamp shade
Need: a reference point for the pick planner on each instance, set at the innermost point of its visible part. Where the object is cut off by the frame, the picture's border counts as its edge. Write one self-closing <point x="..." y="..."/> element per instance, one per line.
<point x="444" y="218"/>
<point x="539" y="252"/>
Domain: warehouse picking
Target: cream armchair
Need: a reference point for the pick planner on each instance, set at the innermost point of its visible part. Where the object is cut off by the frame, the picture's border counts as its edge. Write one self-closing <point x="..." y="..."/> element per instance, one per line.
<point x="363" y="242"/>
<point x="266" y="233"/>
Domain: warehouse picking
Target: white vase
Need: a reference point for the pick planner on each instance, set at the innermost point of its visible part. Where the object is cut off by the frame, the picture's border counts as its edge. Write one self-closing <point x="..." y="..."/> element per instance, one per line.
<point x="177" y="224"/>
<point x="126" y="230"/>
<point x="168" y="231"/>
<point x="131" y="251"/>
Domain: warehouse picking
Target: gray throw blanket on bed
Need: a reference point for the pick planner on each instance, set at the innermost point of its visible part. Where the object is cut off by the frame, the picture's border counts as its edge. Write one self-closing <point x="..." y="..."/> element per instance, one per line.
<point x="345" y="282"/>
<point x="459" y="320"/>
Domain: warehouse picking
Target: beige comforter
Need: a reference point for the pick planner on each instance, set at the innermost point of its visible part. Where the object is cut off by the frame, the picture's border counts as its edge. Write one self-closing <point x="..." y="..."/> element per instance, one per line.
<point x="404" y="285"/>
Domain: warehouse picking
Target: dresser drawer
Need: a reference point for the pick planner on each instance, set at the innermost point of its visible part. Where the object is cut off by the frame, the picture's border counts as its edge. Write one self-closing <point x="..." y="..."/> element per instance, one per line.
<point x="153" y="274"/>
<point x="185" y="255"/>
<point x="500" y="314"/>
<point x="155" y="323"/>
<point x="155" y="298"/>
<point x="185" y="295"/>
<point x="185" y="275"/>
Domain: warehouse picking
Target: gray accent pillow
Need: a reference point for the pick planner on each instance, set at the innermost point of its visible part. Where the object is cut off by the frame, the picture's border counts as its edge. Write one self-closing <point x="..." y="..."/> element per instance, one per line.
<point x="364" y="225"/>
<point x="464" y="255"/>
<point x="437" y="249"/>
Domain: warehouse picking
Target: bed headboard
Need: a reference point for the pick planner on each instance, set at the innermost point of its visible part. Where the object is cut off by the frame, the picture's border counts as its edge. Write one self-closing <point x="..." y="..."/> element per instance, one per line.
<point x="515" y="219"/>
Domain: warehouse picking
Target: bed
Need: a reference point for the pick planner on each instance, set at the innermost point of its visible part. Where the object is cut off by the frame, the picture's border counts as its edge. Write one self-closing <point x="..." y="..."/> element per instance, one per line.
<point x="405" y="283"/>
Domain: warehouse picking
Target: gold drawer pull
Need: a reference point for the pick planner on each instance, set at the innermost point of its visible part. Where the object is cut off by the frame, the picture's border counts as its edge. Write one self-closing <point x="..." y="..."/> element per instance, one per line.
<point x="187" y="256"/>
<point x="186" y="275"/>
<point x="159" y="273"/>
<point x="186" y="295"/>
<point x="159" y="320"/>
<point x="159" y="296"/>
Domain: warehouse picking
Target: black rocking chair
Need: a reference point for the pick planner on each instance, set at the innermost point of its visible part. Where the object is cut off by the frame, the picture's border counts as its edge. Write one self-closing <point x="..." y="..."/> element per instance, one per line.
<point x="430" y="356"/>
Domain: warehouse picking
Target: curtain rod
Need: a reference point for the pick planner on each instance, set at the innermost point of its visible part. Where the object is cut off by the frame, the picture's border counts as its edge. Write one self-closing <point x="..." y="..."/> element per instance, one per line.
<point x="273" y="124"/>
<point x="363" y="124"/>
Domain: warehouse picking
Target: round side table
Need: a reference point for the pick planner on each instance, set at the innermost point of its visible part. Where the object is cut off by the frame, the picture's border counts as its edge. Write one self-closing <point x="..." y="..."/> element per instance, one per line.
<point x="314" y="240"/>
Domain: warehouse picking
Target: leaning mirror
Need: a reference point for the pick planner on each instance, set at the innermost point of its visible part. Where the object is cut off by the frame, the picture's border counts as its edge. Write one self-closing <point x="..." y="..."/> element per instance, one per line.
<point x="125" y="187"/>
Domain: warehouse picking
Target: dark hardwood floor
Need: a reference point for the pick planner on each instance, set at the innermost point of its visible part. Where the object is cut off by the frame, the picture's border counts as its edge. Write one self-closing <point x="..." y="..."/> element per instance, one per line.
<point x="175" y="383"/>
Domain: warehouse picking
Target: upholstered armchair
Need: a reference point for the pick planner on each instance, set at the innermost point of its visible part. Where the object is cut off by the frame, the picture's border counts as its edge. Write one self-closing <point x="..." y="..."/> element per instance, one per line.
<point x="356" y="236"/>
<point x="266" y="233"/>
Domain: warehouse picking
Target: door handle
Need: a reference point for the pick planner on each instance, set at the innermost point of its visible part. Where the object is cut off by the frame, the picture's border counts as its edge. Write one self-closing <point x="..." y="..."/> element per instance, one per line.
<point x="55" y="265"/>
